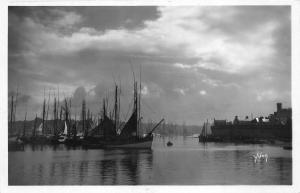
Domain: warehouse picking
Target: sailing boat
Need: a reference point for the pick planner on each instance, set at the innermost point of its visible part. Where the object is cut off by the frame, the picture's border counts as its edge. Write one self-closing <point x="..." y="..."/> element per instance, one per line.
<point x="129" y="136"/>
<point x="204" y="136"/>
<point x="14" y="134"/>
<point x="24" y="138"/>
<point x="38" y="135"/>
<point x="64" y="136"/>
<point x="39" y="130"/>
<point x="102" y="134"/>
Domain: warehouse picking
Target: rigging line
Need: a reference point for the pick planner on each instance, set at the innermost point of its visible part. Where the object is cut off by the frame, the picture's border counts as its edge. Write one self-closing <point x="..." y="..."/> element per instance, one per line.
<point x="16" y="101"/>
<point x="129" y="108"/>
<point x="48" y="106"/>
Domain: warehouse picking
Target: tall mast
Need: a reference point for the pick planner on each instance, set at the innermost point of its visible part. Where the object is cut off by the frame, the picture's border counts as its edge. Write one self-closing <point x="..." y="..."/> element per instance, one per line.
<point x="74" y="127"/>
<point x="119" y="106"/>
<point x="83" y="118"/>
<point x="57" y="104"/>
<point x="60" y="114"/>
<point x="67" y="117"/>
<point x="104" y="109"/>
<point x="54" y="118"/>
<point x="103" y="118"/>
<point x="88" y="120"/>
<point x="139" y="98"/>
<point x="116" y="107"/>
<point x="24" y="126"/>
<point x="47" y="109"/>
<point x="135" y="103"/>
<point x="15" y="111"/>
<point x="34" y="126"/>
<point x="136" y="107"/>
<point x="11" y="113"/>
<point x="43" y="122"/>
<point x="70" y="108"/>
<point x="206" y="127"/>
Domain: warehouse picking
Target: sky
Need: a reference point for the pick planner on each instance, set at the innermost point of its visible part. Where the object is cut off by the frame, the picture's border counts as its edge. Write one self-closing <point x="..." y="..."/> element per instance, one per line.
<point x="196" y="62"/>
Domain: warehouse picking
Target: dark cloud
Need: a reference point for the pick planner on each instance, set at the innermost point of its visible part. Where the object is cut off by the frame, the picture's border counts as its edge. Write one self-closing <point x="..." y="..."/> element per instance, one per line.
<point x="21" y="98"/>
<point x="116" y="17"/>
<point x="199" y="63"/>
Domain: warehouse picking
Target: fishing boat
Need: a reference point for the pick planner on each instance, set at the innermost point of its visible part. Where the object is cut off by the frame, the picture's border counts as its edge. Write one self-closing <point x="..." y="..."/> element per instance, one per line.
<point x="24" y="138"/>
<point x="110" y="134"/>
<point x="100" y="134"/>
<point x="64" y="136"/>
<point x="204" y="136"/>
<point x="14" y="139"/>
<point x="55" y="132"/>
<point x="39" y="137"/>
<point x="39" y="134"/>
<point x="131" y="136"/>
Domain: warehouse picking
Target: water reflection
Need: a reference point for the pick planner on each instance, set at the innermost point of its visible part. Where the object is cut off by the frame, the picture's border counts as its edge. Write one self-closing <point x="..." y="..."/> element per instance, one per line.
<point x="186" y="162"/>
<point x="129" y="165"/>
<point x="108" y="171"/>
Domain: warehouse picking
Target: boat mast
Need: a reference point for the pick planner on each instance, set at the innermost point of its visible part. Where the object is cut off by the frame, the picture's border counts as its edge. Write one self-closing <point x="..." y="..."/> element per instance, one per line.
<point x="70" y="110"/>
<point x="57" y="103"/>
<point x="34" y="126"/>
<point x="47" y="111"/>
<point x="83" y="118"/>
<point x="11" y="113"/>
<point x="74" y="128"/>
<point x="60" y="114"/>
<point x="67" y="117"/>
<point x="88" y="120"/>
<point x="136" y="107"/>
<point x="119" y="107"/>
<point x="43" y="122"/>
<point x="103" y="118"/>
<point x="116" y="107"/>
<point x="207" y="128"/>
<point x="139" y="102"/>
<point x="55" y="118"/>
<point x="57" y="112"/>
<point x="15" y="112"/>
<point x="24" y="126"/>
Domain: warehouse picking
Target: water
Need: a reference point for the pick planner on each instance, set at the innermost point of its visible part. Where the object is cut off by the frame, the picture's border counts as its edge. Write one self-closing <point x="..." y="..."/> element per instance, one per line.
<point x="187" y="162"/>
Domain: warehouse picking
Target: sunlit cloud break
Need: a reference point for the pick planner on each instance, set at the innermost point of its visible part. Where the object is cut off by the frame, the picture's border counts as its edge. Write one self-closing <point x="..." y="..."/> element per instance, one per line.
<point x="216" y="61"/>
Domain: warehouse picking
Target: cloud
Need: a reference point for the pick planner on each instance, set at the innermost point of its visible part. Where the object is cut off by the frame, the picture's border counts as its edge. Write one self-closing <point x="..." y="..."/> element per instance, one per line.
<point x="185" y="54"/>
<point x="160" y="36"/>
<point x="65" y="19"/>
<point x="21" y="98"/>
<point x="78" y="96"/>
<point x="202" y="92"/>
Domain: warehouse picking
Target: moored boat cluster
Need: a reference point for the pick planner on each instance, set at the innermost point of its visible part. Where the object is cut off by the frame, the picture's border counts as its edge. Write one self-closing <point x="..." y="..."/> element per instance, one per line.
<point x="107" y="131"/>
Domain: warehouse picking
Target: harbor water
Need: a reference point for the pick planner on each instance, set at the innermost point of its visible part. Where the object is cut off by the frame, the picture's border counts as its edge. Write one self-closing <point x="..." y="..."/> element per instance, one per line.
<point x="186" y="162"/>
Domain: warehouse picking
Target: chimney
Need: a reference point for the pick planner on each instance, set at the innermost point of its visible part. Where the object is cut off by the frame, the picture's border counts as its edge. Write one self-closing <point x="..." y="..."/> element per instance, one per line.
<point x="279" y="107"/>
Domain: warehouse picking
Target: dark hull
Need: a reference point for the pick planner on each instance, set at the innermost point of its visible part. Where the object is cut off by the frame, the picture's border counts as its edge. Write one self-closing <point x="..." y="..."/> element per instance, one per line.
<point x="129" y="143"/>
<point x="39" y="140"/>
